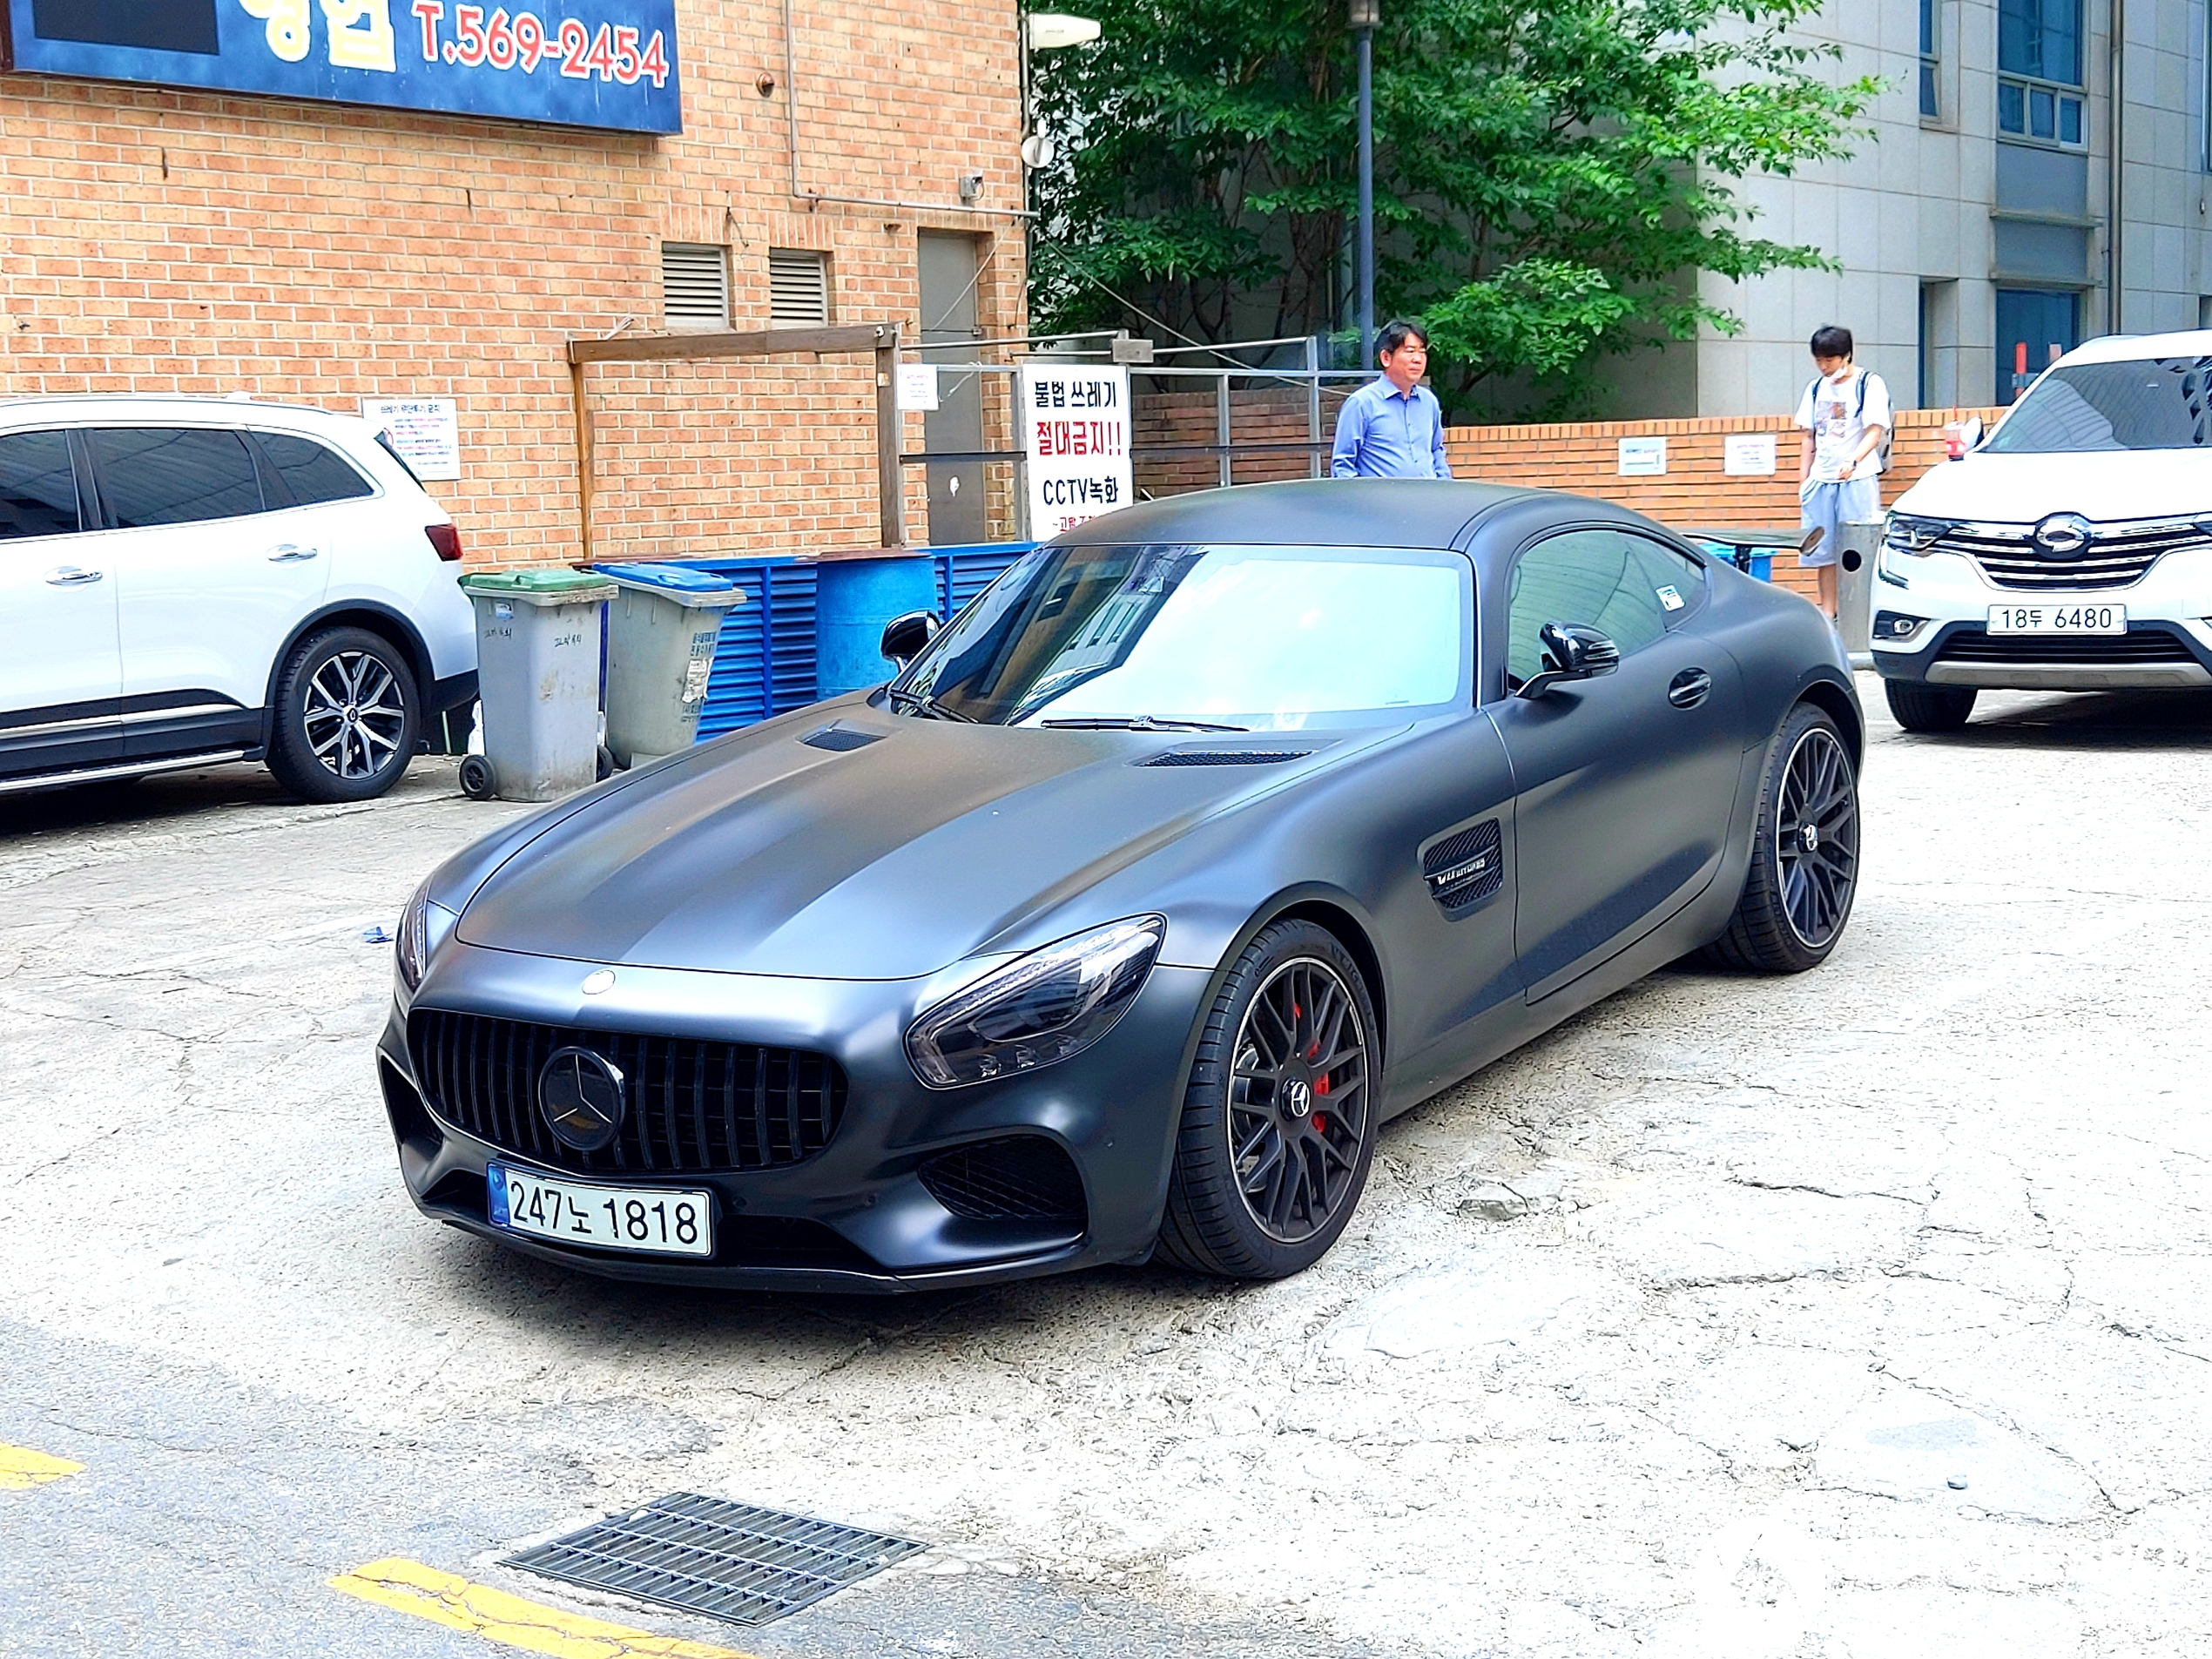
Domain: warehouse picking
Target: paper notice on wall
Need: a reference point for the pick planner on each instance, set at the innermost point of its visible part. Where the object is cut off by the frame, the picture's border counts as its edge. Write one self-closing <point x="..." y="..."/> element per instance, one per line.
<point x="425" y="430"/>
<point x="1748" y="455"/>
<point x="1643" y="457"/>
<point x="918" y="386"/>
<point x="1075" y="428"/>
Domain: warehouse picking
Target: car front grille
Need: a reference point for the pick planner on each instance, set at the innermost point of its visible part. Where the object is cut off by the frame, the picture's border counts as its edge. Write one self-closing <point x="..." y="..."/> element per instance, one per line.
<point x="692" y="1107"/>
<point x="2118" y="554"/>
<point x="2136" y="648"/>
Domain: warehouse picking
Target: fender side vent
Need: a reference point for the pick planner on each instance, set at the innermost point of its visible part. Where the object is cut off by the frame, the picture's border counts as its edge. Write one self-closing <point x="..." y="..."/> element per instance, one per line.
<point x="1463" y="870"/>
<point x="838" y="741"/>
<point x="1225" y="757"/>
<point x="1020" y="1177"/>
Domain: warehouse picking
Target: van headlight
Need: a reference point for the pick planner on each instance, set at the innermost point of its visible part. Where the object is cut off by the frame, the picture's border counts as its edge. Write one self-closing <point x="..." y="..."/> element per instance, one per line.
<point x="424" y="928"/>
<point x="1037" y="1009"/>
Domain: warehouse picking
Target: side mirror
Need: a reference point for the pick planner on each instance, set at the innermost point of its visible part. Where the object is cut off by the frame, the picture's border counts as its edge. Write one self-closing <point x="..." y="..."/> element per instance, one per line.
<point x="1571" y="651"/>
<point x="905" y="638"/>
<point x="1813" y="539"/>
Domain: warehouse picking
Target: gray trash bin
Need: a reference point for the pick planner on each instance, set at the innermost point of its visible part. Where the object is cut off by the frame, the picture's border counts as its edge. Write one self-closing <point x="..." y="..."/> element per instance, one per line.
<point x="537" y="671"/>
<point x="1861" y="543"/>
<point x="662" y="627"/>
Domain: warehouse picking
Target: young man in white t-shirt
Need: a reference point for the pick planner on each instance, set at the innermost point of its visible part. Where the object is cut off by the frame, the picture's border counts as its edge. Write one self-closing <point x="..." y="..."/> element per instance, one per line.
<point x="1846" y="416"/>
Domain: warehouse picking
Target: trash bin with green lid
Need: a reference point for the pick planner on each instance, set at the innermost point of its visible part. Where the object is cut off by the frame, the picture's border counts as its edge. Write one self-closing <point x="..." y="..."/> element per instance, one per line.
<point x="537" y="671"/>
<point x="662" y="627"/>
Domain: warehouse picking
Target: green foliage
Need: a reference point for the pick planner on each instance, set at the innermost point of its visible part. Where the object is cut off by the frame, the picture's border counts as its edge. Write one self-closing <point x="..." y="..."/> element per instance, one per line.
<point x="1550" y="174"/>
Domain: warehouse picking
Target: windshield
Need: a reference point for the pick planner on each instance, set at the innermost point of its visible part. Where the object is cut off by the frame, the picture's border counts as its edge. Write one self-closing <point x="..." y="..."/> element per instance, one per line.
<point x="2149" y="403"/>
<point x="1259" y="637"/>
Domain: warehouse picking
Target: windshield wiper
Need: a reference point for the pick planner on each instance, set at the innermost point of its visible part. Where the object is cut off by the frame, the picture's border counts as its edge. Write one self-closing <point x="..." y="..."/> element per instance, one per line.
<point x="922" y="703"/>
<point x="1138" y="722"/>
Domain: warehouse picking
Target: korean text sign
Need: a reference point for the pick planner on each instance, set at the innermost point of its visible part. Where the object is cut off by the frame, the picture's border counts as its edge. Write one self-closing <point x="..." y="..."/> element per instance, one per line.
<point x="576" y="63"/>
<point x="1075" y="430"/>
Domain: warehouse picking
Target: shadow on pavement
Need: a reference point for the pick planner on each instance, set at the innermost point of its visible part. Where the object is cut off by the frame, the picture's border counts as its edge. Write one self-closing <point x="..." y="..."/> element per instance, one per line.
<point x="2150" y="721"/>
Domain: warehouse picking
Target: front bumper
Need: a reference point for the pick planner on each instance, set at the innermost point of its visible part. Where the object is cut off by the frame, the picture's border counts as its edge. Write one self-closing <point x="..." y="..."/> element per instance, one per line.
<point x="855" y="1216"/>
<point x="2167" y="644"/>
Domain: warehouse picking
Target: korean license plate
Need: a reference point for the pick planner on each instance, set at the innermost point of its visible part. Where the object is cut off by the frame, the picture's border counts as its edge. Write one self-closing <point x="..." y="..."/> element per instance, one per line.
<point x="2058" y="619"/>
<point x="661" y="1221"/>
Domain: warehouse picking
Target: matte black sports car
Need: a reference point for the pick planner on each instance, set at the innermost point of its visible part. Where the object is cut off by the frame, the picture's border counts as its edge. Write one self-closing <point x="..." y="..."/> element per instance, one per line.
<point x="1213" y="833"/>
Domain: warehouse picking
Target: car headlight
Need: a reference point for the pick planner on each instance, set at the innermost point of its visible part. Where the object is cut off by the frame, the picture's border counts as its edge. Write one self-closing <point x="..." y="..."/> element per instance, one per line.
<point x="1038" y="1008"/>
<point x="424" y="928"/>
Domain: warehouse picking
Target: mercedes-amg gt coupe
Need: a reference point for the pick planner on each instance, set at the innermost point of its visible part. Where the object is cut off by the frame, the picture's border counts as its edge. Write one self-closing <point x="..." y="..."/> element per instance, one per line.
<point x="1115" y="925"/>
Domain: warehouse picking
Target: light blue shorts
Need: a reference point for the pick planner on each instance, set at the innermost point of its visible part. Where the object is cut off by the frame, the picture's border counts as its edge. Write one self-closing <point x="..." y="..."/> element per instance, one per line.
<point x="1830" y="507"/>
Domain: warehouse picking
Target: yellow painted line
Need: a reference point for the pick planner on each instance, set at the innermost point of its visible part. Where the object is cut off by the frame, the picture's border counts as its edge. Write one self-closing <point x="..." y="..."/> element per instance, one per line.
<point x="452" y="1601"/>
<point x="21" y="1468"/>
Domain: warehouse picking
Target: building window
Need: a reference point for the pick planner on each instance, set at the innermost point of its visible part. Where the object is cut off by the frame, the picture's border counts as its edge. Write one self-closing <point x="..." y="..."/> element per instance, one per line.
<point x="1930" y="57"/>
<point x="695" y="284"/>
<point x="2034" y="327"/>
<point x="2038" y="63"/>
<point x="798" y="286"/>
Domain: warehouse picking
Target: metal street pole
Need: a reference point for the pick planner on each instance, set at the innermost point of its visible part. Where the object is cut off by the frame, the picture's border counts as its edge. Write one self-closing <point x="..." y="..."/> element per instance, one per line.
<point x="1366" y="14"/>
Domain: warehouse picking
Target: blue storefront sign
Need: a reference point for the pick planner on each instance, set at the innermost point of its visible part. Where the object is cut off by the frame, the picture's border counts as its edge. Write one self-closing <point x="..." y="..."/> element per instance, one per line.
<point x="576" y="63"/>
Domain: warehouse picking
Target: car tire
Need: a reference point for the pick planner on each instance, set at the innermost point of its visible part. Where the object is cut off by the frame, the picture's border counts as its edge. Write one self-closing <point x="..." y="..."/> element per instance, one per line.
<point x="1306" y="1127"/>
<point x="1797" y="893"/>
<point x="348" y="717"/>
<point x="1929" y="708"/>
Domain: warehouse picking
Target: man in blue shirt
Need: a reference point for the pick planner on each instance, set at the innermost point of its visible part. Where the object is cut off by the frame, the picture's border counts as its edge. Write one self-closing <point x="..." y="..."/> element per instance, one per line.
<point x="1393" y="427"/>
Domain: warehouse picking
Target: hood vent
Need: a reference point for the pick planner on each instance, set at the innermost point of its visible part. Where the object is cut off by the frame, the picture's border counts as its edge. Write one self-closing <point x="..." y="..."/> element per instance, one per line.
<point x="1225" y="757"/>
<point x="837" y="740"/>
<point x="1463" y="870"/>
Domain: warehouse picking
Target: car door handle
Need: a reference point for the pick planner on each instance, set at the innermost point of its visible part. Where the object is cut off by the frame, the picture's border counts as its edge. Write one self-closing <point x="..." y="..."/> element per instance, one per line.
<point x="72" y="575"/>
<point x="290" y="553"/>
<point x="1688" y="689"/>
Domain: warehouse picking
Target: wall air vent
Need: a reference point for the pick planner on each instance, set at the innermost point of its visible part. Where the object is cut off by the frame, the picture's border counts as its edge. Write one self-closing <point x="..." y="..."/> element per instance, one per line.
<point x="695" y="284"/>
<point x="798" y="293"/>
<point x="1225" y="757"/>
<point x="1465" y="869"/>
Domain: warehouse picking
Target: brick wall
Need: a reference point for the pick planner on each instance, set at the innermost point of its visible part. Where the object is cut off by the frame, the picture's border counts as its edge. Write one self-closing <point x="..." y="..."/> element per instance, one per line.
<point x="153" y="240"/>
<point x="1695" y="493"/>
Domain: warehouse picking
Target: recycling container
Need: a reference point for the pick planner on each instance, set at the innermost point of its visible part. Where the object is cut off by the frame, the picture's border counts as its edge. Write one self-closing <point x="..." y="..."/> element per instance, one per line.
<point x="1861" y="542"/>
<point x="854" y="597"/>
<point x="661" y="624"/>
<point x="537" y="672"/>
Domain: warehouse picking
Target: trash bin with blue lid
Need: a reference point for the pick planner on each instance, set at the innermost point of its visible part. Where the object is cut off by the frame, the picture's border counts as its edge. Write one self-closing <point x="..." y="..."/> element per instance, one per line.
<point x="537" y="672"/>
<point x="662" y="626"/>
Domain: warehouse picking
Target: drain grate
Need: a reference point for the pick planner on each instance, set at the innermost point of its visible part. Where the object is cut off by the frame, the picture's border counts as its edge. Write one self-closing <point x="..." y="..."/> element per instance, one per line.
<point x="731" y="1560"/>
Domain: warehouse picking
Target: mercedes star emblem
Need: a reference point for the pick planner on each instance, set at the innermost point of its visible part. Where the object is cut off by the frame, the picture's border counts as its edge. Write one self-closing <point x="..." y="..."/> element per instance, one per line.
<point x="580" y="1095"/>
<point x="2063" y="536"/>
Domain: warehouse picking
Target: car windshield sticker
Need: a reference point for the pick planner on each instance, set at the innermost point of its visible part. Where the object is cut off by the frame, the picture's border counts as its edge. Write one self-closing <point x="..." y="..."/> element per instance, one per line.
<point x="1669" y="599"/>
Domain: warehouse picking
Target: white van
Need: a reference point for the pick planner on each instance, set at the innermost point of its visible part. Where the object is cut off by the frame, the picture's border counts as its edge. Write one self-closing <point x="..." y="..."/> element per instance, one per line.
<point x="2070" y="551"/>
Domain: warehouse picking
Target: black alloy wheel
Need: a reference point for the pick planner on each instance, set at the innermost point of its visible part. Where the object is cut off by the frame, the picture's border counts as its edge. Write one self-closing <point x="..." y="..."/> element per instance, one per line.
<point x="1278" y="1122"/>
<point x="347" y="718"/>
<point x="1804" y="857"/>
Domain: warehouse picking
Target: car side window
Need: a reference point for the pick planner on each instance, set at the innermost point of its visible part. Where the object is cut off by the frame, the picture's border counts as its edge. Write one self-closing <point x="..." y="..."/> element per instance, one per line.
<point x="1676" y="580"/>
<point x="172" y="474"/>
<point x="38" y="486"/>
<point x="312" y="473"/>
<point x="1593" y="577"/>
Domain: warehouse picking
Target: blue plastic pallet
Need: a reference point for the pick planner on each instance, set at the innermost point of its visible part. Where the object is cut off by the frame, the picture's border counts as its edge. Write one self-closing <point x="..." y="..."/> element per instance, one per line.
<point x="764" y="664"/>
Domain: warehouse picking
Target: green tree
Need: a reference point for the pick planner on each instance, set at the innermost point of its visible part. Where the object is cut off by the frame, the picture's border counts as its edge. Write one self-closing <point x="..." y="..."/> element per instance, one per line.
<point x="1550" y="174"/>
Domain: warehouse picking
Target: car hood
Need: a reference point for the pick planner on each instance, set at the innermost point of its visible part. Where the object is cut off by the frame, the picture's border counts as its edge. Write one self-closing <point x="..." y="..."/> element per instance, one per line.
<point x="765" y="854"/>
<point x="2098" y="484"/>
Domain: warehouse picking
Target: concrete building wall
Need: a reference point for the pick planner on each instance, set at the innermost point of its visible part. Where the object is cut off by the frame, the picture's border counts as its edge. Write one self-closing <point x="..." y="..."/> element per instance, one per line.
<point x="1945" y="209"/>
<point x="160" y="240"/>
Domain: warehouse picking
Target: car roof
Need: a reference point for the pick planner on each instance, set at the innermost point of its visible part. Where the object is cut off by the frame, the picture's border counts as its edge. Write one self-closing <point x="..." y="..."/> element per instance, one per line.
<point x="2124" y="348"/>
<point x="1327" y="512"/>
<point x="93" y="406"/>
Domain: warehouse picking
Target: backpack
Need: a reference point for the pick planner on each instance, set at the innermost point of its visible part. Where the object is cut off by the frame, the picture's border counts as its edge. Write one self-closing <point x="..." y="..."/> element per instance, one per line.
<point x="1858" y="410"/>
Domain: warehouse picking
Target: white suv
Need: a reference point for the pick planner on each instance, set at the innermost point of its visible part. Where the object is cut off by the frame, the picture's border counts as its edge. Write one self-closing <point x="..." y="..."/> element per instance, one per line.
<point x="190" y="580"/>
<point x="2070" y="551"/>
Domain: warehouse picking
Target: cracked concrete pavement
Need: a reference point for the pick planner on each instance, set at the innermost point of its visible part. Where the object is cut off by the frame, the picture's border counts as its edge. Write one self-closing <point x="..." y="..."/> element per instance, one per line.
<point x="1861" y="1314"/>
